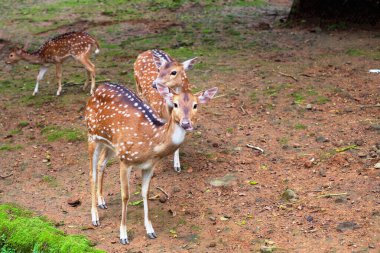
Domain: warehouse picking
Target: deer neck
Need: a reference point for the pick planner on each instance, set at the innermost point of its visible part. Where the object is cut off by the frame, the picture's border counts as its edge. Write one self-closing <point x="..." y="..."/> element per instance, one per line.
<point x="172" y="137"/>
<point x="31" y="57"/>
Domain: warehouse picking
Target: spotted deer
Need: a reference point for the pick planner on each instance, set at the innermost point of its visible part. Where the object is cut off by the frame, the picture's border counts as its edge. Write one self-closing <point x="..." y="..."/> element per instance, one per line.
<point x="154" y="67"/>
<point x="76" y="45"/>
<point x="120" y="123"/>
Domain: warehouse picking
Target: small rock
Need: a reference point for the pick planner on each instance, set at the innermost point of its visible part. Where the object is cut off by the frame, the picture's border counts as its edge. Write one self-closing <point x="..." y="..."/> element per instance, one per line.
<point x="340" y="200"/>
<point x="359" y="142"/>
<point x="163" y="199"/>
<point x="371" y="246"/>
<point x="212" y="218"/>
<point x="74" y="201"/>
<point x="212" y="245"/>
<point x="308" y="163"/>
<point x="223" y="181"/>
<point x="296" y="145"/>
<point x="321" y="139"/>
<point x="309" y="218"/>
<point x="309" y="107"/>
<point x="362" y="154"/>
<point x="322" y="173"/>
<point x="377" y="165"/>
<point x="289" y="195"/>
<point x="176" y="189"/>
<point x="267" y="249"/>
<point x="215" y="145"/>
<point x="372" y="154"/>
<point x="347" y="225"/>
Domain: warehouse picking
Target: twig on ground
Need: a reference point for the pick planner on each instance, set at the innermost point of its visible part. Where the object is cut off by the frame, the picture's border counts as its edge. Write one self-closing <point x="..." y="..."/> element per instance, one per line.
<point x="241" y="107"/>
<point x="155" y="197"/>
<point x="287" y="75"/>
<point x="331" y="195"/>
<point x="367" y="106"/>
<point x="4" y="177"/>
<point x="162" y="190"/>
<point x="223" y="95"/>
<point x="254" y="147"/>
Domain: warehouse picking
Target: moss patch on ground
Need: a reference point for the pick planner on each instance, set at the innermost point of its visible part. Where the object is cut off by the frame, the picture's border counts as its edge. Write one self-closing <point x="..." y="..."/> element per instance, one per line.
<point x="21" y="231"/>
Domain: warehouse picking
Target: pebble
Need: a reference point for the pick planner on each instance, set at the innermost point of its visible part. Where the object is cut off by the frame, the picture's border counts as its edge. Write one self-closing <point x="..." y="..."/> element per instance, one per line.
<point x="163" y="199"/>
<point x="309" y="107"/>
<point x="359" y="142"/>
<point x="289" y="195"/>
<point x="212" y="218"/>
<point x="322" y="173"/>
<point x="321" y="139"/>
<point x="362" y="154"/>
<point x="309" y="218"/>
<point x="176" y="189"/>
<point x="347" y="225"/>
<point x="74" y="201"/>
<point x="212" y="245"/>
<point x="377" y="165"/>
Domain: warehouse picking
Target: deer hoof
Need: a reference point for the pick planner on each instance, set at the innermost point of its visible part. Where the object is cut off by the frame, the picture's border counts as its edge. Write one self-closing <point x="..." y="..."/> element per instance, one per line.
<point x="124" y="241"/>
<point x="102" y="206"/>
<point x="96" y="223"/>
<point x="152" y="235"/>
<point x="177" y="169"/>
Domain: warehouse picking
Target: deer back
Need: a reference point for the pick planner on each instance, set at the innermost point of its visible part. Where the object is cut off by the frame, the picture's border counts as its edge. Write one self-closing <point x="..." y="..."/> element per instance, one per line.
<point x="69" y="44"/>
<point x="120" y="119"/>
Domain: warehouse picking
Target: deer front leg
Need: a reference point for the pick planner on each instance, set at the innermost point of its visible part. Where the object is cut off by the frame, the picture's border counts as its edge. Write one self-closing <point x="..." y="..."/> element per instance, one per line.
<point x="146" y="176"/>
<point x="58" y="70"/>
<point x="40" y="76"/>
<point x="177" y="164"/>
<point x="94" y="150"/>
<point x="125" y="172"/>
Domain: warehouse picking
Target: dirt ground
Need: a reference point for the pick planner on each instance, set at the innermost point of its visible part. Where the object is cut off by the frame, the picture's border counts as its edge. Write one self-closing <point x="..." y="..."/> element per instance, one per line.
<point x="303" y="95"/>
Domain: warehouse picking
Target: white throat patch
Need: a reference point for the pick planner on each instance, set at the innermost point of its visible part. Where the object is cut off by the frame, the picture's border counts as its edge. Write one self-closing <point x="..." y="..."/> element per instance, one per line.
<point x="178" y="135"/>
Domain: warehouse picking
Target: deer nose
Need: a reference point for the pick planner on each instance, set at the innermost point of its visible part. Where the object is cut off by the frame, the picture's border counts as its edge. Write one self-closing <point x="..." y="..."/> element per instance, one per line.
<point x="186" y="124"/>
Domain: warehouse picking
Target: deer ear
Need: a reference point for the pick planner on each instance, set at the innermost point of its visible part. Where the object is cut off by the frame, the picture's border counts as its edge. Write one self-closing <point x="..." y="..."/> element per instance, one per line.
<point x="159" y="58"/>
<point x="207" y="95"/>
<point x="165" y="93"/>
<point x="189" y="63"/>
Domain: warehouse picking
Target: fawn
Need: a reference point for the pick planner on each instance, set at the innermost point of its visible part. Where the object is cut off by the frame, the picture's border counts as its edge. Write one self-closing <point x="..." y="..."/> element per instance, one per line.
<point x="77" y="45"/>
<point x="154" y="67"/>
<point x="120" y="123"/>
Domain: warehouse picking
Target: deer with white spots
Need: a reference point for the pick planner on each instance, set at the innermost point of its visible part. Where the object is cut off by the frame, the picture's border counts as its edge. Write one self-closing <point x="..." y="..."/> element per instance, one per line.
<point x="120" y="123"/>
<point x="154" y="67"/>
<point x="76" y="45"/>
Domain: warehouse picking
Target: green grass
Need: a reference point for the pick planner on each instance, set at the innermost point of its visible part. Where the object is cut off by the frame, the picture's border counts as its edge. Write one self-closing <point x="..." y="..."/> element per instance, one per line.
<point x="355" y="52"/>
<point x="300" y="126"/>
<point x="54" y="133"/>
<point x="7" y="147"/>
<point x="21" y="231"/>
<point x="22" y="124"/>
<point x="298" y="98"/>
<point x="51" y="181"/>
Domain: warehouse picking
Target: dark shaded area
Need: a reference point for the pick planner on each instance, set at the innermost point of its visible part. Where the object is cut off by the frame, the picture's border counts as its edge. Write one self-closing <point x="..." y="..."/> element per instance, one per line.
<point x="352" y="11"/>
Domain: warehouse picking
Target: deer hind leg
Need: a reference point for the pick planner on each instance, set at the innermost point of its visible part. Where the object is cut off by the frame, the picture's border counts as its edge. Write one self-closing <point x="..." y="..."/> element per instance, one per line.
<point x="177" y="164"/>
<point x="40" y="76"/>
<point x="105" y="155"/>
<point x="94" y="150"/>
<point x="146" y="176"/>
<point x="58" y="71"/>
<point x="88" y="77"/>
<point x="90" y="67"/>
<point x="125" y="172"/>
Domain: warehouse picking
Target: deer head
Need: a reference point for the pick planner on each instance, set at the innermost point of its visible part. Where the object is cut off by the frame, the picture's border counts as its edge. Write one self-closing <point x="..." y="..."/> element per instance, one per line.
<point x="185" y="104"/>
<point x="14" y="56"/>
<point x="171" y="73"/>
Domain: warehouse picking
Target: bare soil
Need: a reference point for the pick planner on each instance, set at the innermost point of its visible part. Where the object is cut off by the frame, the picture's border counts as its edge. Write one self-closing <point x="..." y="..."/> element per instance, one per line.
<point x="303" y="105"/>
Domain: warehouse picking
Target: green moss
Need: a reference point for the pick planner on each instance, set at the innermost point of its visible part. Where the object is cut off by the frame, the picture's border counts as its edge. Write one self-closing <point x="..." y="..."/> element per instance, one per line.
<point x="298" y="98"/>
<point x="51" y="181"/>
<point x="54" y="133"/>
<point x="22" y="124"/>
<point x="20" y="231"/>
<point x="355" y="52"/>
<point x="7" y="147"/>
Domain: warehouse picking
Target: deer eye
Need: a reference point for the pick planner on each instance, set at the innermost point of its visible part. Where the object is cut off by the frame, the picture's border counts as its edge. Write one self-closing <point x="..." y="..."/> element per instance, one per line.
<point x="195" y="106"/>
<point x="175" y="105"/>
<point x="11" y="55"/>
<point x="174" y="73"/>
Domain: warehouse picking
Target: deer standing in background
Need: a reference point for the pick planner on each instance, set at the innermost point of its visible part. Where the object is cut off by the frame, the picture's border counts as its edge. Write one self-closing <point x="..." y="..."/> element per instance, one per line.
<point x="154" y="67"/>
<point x="77" y="45"/>
<point x="120" y="123"/>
